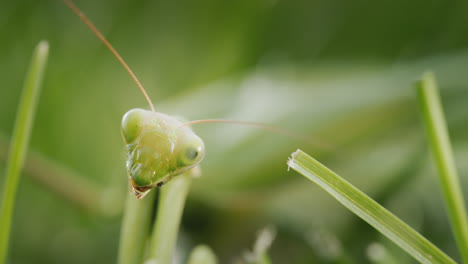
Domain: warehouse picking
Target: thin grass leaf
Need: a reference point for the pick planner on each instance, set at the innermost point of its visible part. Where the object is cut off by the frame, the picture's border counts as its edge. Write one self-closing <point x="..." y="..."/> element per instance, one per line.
<point x="367" y="209"/>
<point x="436" y="128"/>
<point x="20" y="141"/>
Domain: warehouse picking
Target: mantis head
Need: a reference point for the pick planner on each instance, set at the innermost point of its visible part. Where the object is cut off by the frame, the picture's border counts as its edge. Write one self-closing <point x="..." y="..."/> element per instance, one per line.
<point x="158" y="147"/>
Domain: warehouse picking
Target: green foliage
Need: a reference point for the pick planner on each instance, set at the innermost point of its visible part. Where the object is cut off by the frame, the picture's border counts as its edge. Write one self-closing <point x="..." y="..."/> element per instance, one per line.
<point x="338" y="72"/>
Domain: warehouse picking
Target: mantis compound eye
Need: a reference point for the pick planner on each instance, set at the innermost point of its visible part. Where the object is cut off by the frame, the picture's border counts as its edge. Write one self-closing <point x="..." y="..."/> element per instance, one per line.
<point x="132" y="123"/>
<point x="193" y="153"/>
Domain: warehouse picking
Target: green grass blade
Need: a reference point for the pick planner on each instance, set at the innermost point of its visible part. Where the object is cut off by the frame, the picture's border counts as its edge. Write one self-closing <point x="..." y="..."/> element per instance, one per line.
<point x="367" y="209"/>
<point x="136" y="225"/>
<point x="20" y="141"/>
<point x="436" y="128"/>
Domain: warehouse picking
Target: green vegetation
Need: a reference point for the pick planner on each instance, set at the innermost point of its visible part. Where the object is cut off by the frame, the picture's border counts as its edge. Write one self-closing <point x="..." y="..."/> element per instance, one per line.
<point x="337" y="73"/>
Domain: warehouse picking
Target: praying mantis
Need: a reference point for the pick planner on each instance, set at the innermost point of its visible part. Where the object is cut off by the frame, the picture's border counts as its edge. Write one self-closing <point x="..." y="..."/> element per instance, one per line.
<point x="160" y="146"/>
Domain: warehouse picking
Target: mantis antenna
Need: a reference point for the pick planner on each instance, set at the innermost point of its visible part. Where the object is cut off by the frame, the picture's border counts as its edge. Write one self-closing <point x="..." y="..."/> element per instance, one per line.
<point x="111" y="48"/>
<point x="278" y="130"/>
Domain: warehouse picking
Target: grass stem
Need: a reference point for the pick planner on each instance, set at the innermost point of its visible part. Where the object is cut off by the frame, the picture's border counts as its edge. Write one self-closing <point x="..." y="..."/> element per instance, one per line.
<point x="20" y="141"/>
<point x="436" y="128"/>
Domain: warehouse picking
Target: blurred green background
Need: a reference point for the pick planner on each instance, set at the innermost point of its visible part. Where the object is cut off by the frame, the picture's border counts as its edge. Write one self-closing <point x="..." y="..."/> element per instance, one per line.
<point x="339" y="72"/>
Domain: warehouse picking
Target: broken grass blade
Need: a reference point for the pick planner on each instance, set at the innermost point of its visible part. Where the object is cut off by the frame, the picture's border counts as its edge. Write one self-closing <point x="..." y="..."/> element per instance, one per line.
<point x="367" y="209"/>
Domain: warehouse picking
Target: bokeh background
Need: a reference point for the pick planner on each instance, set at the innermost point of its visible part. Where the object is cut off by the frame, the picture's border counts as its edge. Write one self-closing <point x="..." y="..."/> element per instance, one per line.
<point x="338" y="72"/>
